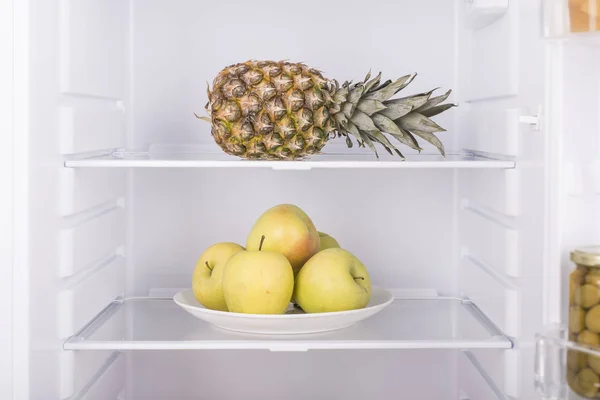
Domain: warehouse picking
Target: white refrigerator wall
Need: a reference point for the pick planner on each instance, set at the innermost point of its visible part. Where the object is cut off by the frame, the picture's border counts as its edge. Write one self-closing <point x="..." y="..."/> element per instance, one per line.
<point x="113" y="73"/>
<point x="390" y="219"/>
<point x="74" y="220"/>
<point x="501" y="214"/>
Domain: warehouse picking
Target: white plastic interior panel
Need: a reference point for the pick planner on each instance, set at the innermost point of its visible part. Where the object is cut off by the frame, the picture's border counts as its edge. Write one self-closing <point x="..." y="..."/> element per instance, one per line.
<point x="353" y="161"/>
<point x="482" y="13"/>
<point x="93" y="48"/>
<point x="504" y="366"/>
<point x="79" y="368"/>
<point x="75" y="226"/>
<point x="9" y="215"/>
<point x="427" y="323"/>
<point x="495" y="74"/>
<point x="478" y="384"/>
<point x="498" y="191"/>
<point x="495" y="240"/>
<point x="86" y="127"/>
<point x="108" y="382"/>
<point x="493" y="129"/>
<point x="495" y="295"/>
<point x="86" y="297"/>
<point x="423" y="374"/>
<point x="83" y="189"/>
<point x="88" y="242"/>
<point x="502" y="215"/>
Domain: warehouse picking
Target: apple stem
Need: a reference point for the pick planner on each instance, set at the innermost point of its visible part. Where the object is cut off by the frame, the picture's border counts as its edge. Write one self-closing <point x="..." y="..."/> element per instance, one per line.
<point x="360" y="277"/>
<point x="262" y="239"/>
<point x="208" y="266"/>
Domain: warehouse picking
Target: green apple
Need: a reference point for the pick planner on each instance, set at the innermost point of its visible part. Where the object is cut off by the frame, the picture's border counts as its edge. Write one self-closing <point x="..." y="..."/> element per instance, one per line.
<point x="289" y="231"/>
<point x="327" y="242"/>
<point x="258" y="282"/>
<point x="332" y="280"/>
<point x="208" y="275"/>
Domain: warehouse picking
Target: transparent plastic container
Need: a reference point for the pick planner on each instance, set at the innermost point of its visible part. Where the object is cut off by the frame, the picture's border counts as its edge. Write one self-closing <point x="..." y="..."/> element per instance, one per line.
<point x="583" y="370"/>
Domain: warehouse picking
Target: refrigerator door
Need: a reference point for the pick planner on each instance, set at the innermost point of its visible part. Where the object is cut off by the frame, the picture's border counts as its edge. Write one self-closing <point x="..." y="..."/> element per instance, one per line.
<point x="572" y="36"/>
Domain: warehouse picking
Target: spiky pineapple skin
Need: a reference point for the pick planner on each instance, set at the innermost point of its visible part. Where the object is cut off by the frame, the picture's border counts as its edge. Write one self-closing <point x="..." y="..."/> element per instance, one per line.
<point x="271" y="110"/>
<point x="284" y="111"/>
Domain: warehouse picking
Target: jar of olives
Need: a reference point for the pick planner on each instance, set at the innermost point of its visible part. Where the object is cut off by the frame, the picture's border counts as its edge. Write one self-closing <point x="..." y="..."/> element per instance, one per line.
<point x="583" y="370"/>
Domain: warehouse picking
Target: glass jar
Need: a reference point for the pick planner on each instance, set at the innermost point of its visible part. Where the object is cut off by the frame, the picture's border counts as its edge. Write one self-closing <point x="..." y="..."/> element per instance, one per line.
<point x="584" y="15"/>
<point x="583" y="371"/>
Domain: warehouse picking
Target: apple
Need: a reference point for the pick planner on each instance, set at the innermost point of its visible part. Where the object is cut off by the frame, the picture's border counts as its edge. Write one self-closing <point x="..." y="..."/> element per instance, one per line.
<point x="208" y="275"/>
<point x="327" y="242"/>
<point x="289" y="231"/>
<point x="332" y="280"/>
<point x="258" y="282"/>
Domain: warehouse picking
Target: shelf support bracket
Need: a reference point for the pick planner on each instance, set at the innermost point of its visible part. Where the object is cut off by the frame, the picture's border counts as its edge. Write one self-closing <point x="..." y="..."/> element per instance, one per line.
<point x="534" y="121"/>
<point x="482" y="13"/>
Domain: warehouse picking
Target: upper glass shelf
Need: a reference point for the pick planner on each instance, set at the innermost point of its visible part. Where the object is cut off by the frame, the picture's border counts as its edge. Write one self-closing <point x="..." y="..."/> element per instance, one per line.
<point x="322" y="161"/>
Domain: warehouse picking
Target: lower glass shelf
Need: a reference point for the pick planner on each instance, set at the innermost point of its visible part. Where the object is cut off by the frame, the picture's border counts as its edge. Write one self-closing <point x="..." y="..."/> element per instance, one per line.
<point x="407" y="323"/>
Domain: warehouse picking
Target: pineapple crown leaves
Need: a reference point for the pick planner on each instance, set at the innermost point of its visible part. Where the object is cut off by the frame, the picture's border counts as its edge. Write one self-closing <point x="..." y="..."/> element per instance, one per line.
<point x="366" y="110"/>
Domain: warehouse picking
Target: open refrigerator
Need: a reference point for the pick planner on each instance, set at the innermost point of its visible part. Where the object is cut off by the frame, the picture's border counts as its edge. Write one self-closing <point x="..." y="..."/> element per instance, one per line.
<point x="115" y="188"/>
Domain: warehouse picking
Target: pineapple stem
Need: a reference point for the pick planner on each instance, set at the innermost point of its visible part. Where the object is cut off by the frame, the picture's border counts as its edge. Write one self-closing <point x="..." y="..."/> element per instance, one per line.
<point x="208" y="266"/>
<point x="262" y="239"/>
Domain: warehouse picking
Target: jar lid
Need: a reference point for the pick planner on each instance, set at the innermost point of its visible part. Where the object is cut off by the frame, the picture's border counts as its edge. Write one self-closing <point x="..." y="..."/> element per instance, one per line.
<point x="588" y="256"/>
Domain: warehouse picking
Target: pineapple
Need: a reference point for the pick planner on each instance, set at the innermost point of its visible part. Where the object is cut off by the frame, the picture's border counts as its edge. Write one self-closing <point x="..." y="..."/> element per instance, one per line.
<point x="285" y="111"/>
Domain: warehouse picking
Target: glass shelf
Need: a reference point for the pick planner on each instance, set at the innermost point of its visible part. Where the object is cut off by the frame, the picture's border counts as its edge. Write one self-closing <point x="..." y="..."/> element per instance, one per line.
<point x="407" y="323"/>
<point x="221" y="160"/>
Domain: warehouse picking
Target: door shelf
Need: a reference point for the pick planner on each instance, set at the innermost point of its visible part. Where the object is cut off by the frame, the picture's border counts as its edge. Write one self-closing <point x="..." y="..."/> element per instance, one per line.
<point x="407" y="323"/>
<point x="551" y="370"/>
<point x="322" y="161"/>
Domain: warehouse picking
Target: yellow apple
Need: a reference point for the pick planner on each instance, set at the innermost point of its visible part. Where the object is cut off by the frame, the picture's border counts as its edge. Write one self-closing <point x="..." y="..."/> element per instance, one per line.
<point x="208" y="275"/>
<point x="258" y="282"/>
<point x="289" y="231"/>
<point x="327" y="242"/>
<point x="332" y="280"/>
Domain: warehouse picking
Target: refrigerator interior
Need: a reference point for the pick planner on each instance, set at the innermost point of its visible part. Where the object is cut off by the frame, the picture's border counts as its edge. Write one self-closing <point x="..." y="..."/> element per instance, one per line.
<point x="129" y="75"/>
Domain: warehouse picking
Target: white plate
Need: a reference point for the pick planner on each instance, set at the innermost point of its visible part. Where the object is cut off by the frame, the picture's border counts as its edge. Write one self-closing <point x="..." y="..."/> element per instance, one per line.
<point x="284" y="324"/>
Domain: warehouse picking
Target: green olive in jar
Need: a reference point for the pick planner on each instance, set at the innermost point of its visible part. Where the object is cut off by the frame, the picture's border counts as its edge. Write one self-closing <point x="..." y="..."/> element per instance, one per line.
<point x="573" y="382"/>
<point x="576" y="279"/>
<point x="589" y="338"/>
<point x="587" y="295"/>
<point x="576" y="360"/>
<point x="577" y="319"/>
<point x="592" y="319"/>
<point x="588" y="382"/>
<point x="594" y="362"/>
<point x="593" y="278"/>
<point x="571" y="377"/>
